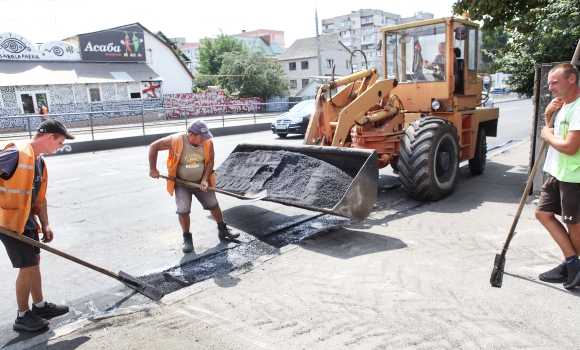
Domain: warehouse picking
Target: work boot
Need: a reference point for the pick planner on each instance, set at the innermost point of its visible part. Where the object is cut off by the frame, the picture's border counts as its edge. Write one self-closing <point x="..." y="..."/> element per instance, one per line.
<point x="187" y="246"/>
<point x="29" y="322"/>
<point x="49" y="310"/>
<point x="225" y="232"/>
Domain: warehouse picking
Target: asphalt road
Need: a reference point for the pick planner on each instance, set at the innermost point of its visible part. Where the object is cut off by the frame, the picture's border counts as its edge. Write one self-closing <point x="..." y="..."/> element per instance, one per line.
<point x="106" y="210"/>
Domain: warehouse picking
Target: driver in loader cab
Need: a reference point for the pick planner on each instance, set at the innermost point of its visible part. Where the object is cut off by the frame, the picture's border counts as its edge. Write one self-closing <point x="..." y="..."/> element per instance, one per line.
<point x="191" y="158"/>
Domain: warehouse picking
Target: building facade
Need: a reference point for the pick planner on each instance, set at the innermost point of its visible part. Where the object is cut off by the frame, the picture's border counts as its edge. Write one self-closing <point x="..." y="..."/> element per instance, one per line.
<point x="119" y="69"/>
<point x="300" y="61"/>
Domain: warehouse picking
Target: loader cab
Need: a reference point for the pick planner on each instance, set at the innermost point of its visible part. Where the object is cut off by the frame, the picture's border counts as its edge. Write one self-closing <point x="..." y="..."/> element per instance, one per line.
<point x="433" y="60"/>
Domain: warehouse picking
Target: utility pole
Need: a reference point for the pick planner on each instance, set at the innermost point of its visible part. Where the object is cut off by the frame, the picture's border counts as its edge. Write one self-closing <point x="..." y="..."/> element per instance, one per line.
<point x="318" y="43"/>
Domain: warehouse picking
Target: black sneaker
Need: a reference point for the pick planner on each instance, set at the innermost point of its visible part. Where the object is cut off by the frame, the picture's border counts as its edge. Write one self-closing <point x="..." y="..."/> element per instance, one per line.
<point x="558" y="274"/>
<point x="573" y="275"/>
<point x="30" y="322"/>
<point x="187" y="246"/>
<point x="225" y="232"/>
<point x="50" y="310"/>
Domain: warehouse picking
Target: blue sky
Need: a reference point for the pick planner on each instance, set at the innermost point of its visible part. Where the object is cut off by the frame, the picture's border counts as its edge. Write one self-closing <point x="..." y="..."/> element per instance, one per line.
<point x="41" y="21"/>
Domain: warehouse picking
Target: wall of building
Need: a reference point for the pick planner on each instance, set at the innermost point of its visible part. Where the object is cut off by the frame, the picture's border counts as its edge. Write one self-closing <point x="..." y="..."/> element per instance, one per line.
<point x="162" y="60"/>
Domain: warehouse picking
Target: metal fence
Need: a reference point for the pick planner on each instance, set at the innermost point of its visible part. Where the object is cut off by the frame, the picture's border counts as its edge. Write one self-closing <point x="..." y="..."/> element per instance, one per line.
<point x="111" y="124"/>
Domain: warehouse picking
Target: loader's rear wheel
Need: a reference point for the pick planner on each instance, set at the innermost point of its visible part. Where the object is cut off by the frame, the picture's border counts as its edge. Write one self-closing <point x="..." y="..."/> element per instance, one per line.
<point x="477" y="163"/>
<point x="429" y="159"/>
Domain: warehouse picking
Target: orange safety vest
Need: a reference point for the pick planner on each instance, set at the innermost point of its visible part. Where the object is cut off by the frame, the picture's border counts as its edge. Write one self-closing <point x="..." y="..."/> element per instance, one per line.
<point x="16" y="193"/>
<point x="173" y="160"/>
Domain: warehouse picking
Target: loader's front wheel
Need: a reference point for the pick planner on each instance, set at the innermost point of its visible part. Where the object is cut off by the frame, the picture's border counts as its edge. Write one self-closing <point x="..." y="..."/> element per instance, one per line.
<point x="429" y="159"/>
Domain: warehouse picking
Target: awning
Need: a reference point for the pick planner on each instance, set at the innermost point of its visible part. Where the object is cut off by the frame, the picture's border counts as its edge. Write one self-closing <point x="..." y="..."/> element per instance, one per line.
<point x="16" y="73"/>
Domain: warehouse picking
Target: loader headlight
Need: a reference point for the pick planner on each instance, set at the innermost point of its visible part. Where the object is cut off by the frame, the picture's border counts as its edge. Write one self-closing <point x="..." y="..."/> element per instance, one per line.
<point x="297" y="120"/>
<point x="435" y="105"/>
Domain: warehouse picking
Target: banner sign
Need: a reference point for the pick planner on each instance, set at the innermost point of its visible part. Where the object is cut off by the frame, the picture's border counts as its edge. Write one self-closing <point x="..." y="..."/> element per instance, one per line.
<point x="125" y="44"/>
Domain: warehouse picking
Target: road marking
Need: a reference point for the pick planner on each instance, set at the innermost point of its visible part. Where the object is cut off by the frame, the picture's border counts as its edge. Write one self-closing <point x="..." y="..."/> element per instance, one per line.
<point x="66" y="180"/>
<point x="116" y="172"/>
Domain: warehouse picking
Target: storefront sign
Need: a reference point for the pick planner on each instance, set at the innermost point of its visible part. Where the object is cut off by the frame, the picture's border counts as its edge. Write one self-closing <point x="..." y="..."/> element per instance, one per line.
<point x="125" y="44"/>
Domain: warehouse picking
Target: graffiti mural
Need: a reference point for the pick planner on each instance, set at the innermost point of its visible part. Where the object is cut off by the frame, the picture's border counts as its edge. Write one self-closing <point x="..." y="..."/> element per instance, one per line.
<point x="207" y="103"/>
<point x="151" y="89"/>
<point x="59" y="50"/>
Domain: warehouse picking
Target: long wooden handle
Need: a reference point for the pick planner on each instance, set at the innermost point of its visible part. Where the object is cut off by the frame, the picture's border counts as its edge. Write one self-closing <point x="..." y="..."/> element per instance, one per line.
<point x="65" y="255"/>
<point x="193" y="184"/>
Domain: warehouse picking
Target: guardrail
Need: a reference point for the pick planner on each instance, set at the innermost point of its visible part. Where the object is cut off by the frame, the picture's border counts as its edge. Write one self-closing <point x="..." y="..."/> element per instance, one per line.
<point x="94" y="125"/>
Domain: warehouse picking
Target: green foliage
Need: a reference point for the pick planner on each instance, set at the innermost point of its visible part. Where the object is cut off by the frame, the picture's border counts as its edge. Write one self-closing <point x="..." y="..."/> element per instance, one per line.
<point x="492" y="41"/>
<point x="211" y="50"/>
<point x="501" y="13"/>
<point x="252" y="74"/>
<point x="553" y="38"/>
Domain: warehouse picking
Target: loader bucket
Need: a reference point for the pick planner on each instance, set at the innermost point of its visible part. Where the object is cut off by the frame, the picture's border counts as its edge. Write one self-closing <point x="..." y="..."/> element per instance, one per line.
<point x="333" y="180"/>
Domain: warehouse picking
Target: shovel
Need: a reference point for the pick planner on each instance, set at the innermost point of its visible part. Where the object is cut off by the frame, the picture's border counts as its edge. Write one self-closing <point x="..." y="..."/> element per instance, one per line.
<point x="131" y="282"/>
<point x="251" y="195"/>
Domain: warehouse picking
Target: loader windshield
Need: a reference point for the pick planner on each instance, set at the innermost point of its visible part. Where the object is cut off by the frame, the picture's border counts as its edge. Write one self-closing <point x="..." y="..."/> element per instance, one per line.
<point x="416" y="54"/>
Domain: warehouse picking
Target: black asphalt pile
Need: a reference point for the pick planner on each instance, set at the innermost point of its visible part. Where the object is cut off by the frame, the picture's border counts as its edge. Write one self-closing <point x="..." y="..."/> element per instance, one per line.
<point x="289" y="177"/>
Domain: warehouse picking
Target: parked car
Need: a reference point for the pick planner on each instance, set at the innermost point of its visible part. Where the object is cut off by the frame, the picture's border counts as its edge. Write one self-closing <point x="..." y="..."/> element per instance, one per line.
<point x="499" y="91"/>
<point x="486" y="101"/>
<point x="295" y="121"/>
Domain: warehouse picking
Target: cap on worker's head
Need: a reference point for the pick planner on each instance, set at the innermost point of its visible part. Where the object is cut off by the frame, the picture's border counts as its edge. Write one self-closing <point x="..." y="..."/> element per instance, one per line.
<point x="200" y="127"/>
<point x="54" y="126"/>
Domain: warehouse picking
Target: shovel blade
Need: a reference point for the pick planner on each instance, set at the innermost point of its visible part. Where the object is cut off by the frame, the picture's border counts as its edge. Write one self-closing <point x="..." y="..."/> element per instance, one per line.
<point x="142" y="287"/>
<point x="256" y="196"/>
<point x="497" y="273"/>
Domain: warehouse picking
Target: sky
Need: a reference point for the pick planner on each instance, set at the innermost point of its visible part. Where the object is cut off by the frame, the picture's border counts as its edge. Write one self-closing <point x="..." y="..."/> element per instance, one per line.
<point x="41" y="21"/>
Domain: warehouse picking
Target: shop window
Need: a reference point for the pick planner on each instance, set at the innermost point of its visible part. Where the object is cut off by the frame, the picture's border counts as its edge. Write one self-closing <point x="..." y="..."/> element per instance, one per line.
<point x="292" y="66"/>
<point x="304" y="64"/>
<point x="135" y="95"/>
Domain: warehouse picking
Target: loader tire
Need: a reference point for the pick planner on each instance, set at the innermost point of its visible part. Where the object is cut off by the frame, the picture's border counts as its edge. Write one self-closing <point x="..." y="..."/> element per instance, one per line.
<point x="429" y="159"/>
<point x="477" y="163"/>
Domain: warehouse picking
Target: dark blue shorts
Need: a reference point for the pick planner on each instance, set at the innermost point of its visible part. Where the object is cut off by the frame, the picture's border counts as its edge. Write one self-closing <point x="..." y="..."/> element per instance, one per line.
<point x="21" y="254"/>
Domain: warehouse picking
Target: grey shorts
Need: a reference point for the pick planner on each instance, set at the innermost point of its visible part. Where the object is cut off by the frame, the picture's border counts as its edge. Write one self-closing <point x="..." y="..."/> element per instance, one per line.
<point x="21" y="254"/>
<point x="561" y="198"/>
<point x="183" y="198"/>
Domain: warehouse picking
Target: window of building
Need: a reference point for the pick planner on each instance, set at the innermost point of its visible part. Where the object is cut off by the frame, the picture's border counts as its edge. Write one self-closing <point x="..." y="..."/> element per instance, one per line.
<point x="347" y="64"/>
<point x="354" y="31"/>
<point x="367" y="47"/>
<point x="94" y="94"/>
<point x="354" y="23"/>
<point x="367" y="30"/>
<point x="292" y="66"/>
<point x="135" y="95"/>
<point x="346" y="41"/>
<point x="305" y="82"/>
<point x="304" y="64"/>
<point x="292" y="83"/>
<point x="329" y="63"/>
<point x="365" y="20"/>
<point x="367" y="37"/>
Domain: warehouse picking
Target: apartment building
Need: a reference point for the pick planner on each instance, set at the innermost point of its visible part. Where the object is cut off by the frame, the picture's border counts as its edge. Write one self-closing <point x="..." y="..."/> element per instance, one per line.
<point x="361" y="30"/>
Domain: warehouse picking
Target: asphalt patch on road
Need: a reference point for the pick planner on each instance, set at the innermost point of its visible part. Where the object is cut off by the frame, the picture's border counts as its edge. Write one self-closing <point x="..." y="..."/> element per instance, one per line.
<point x="240" y="256"/>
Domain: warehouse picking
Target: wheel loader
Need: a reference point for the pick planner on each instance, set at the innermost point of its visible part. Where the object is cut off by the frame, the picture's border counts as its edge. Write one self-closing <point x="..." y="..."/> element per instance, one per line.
<point x="422" y="117"/>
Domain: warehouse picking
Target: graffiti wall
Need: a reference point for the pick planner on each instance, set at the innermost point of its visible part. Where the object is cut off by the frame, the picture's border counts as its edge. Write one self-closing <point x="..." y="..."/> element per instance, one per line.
<point x="208" y="102"/>
<point x="16" y="47"/>
<point x="74" y="99"/>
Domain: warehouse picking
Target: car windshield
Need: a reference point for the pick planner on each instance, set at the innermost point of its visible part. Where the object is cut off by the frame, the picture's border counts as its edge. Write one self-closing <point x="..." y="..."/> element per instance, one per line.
<point x="303" y="106"/>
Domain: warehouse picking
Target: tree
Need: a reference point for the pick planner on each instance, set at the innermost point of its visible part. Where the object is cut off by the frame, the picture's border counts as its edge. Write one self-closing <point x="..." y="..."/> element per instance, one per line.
<point x="211" y="50"/>
<point x="492" y="42"/>
<point x="500" y="13"/>
<point x="554" y="36"/>
<point x="252" y="74"/>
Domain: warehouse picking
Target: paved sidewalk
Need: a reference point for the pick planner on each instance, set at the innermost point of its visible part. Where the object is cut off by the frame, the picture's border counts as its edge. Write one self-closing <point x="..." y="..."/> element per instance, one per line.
<point x="412" y="275"/>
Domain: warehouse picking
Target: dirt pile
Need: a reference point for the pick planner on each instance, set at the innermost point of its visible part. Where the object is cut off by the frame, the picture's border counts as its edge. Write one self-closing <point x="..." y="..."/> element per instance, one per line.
<point x="289" y="177"/>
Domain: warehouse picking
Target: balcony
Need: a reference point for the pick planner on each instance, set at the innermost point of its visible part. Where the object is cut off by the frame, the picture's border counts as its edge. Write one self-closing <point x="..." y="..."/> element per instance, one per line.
<point x="327" y="30"/>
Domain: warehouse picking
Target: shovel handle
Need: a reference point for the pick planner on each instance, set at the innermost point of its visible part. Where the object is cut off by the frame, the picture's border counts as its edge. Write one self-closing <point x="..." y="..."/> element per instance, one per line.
<point x="193" y="184"/>
<point x="65" y="255"/>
